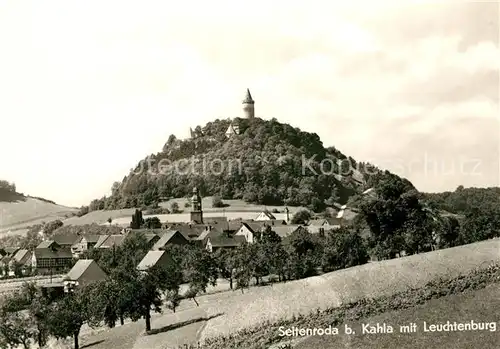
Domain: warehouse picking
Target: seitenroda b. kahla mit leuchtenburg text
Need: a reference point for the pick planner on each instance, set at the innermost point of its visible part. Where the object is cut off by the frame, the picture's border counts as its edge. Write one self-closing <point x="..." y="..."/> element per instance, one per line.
<point x="383" y="328"/>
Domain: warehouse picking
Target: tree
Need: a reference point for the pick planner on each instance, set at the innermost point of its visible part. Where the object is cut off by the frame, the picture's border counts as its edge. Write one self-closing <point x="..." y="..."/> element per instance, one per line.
<point x="173" y="299"/>
<point x="110" y="220"/>
<point x="15" y="330"/>
<point x="217" y="201"/>
<point x="146" y="290"/>
<point x="343" y="249"/>
<point x="72" y="311"/>
<point x="137" y="220"/>
<point x="50" y="227"/>
<point x="174" y="207"/>
<point x="301" y="217"/>
<point x="226" y="263"/>
<point x="200" y="270"/>
<point x="152" y="223"/>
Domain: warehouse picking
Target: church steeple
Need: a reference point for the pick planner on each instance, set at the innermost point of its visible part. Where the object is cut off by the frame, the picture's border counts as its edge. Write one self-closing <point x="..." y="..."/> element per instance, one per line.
<point x="248" y="105"/>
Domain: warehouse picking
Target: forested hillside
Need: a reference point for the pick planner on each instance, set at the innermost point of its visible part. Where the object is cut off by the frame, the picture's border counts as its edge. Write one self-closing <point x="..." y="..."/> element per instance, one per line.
<point x="268" y="163"/>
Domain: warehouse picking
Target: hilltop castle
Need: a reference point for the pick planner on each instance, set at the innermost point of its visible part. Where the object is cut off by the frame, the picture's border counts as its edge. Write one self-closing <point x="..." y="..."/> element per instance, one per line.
<point x="248" y="112"/>
<point x="248" y="106"/>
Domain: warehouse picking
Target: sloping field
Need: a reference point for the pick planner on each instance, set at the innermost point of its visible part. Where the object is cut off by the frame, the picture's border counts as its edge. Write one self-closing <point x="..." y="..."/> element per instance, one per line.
<point x="19" y="214"/>
<point x="236" y="209"/>
<point x="282" y="301"/>
<point x="479" y="306"/>
<point x="99" y="216"/>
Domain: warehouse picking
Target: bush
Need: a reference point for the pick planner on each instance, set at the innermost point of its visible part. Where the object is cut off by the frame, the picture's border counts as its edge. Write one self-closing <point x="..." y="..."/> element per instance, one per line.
<point x="217" y="202"/>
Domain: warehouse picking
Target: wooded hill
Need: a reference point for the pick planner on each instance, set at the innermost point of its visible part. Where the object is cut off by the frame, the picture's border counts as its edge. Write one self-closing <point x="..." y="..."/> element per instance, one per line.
<point x="268" y="163"/>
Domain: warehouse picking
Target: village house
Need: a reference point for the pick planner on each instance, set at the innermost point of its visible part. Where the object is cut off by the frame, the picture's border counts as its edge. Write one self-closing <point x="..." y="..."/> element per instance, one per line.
<point x="4" y="265"/>
<point x="153" y="259"/>
<point x="84" y="243"/>
<point x="249" y="231"/>
<point x="150" y="235"/>
<point x="21" y="260"/>
<point x="51" y="260"/>
<point x="109" y="241"/>
<point x="285" y="231"/>
<point x="66" y="240"/>
<point x="323" y="225"/>
<point x="84" y="272"/>
<point x="265" y="216"/>
<point x="224" y="241"/>
<point x="48" y="244"/>
<point x="170" y="237"/>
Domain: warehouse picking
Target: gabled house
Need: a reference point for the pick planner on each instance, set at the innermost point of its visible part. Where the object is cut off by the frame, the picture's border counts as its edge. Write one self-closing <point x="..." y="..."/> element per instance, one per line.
<point x="84" y="272"/>
<point x="170" y="237"/>
<point x="10" y="251"/>
<point x="224" y="241"/>
<point x="322" y="225"/>
<point x="22" y="259"/>
<point x="285" y="231"/>
<point x="265" y="216"/>
<point x="66" y="240"/>
<point x="232" y="130"/>
<point x="249" y="231"/>
<point x="4" y="265"/>
<point x="45" y="260"/>
<point x="48" y="244"/>
<point x="153" y="259"/>
<point x="151" y="235"/>
<point x="84" y="243"/>
<point x="109" y="241"/>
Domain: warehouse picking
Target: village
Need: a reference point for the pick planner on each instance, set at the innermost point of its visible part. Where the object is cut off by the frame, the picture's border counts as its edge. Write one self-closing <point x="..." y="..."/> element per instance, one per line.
<point x="61" y="253"/>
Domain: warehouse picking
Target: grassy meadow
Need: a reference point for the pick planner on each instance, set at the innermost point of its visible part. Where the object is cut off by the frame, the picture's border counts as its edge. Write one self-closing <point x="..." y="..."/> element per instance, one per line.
<point x="478" y="305"/>
<point x="16" y="215"/>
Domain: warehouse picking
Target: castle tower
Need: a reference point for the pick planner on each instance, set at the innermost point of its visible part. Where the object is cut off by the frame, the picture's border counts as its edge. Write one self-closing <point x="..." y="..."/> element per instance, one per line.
<point x="196" y="214"/>
<point x="248" y="105"/>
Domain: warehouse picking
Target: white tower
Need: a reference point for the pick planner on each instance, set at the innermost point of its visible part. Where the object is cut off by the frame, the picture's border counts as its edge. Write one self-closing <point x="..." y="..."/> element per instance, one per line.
<point x="248" y="106"/>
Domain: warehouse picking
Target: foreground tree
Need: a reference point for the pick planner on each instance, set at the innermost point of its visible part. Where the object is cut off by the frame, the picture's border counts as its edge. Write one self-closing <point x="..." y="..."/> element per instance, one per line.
<point x="226" y="261"/>
<point x="200" y="270"/>
<point x="76" y="308"/>
<point x="23" y="317"/>
<point x="146" y="289"/>
<point x="343" y="249"/>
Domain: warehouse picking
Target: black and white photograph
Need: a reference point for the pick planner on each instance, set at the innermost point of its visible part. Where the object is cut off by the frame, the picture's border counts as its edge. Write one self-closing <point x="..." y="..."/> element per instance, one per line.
<point x="261" y="174"/>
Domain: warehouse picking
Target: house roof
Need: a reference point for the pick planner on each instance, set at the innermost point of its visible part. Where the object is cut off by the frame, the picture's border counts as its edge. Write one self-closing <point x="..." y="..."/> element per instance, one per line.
<point x="285" y="230"/>
<point x="233" y="129"/>
<point x="83" y="266"/>
<point x="208" y="220"/>
<point x="92" y="238"/>
<point x="318" y="222"/>
<point x="46" y="253"/>
<point x="188" y="230"/>
<point x="268" y="215"/>
<point x="66" y="239"/>
<point x="248" y="98"/>
<point x="21" y="255"/>
<point x="166" y="237"/>
<point x="47" y="244"/>
<point x="149" y="234"/>
<point x="253" y="227"/>
<point x="108" y="241"/>
<point x="153" y="258"/>
<point x="226" y="241"/>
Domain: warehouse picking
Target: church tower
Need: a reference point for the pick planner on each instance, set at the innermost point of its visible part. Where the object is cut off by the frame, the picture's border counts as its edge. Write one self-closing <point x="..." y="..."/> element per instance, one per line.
<point x="196" y="213"/>
<point x="248" y="106"/>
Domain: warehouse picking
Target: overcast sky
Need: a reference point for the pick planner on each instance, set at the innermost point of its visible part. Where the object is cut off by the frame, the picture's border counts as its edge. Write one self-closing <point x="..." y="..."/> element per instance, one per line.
<point x="89" y="88"/>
